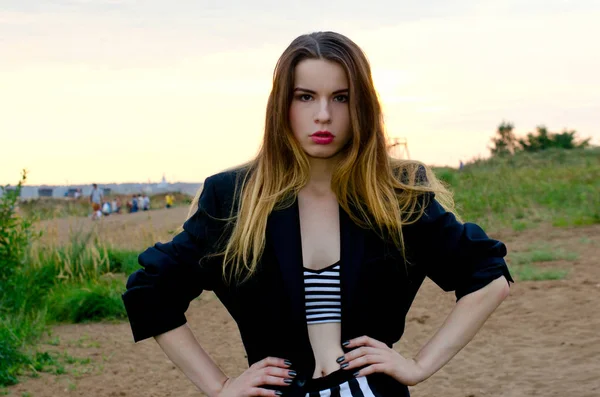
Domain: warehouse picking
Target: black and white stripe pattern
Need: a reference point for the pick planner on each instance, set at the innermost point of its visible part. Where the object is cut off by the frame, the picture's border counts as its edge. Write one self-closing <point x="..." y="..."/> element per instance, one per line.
<point x="358" y="387"/>
<point x="322" y="295"/>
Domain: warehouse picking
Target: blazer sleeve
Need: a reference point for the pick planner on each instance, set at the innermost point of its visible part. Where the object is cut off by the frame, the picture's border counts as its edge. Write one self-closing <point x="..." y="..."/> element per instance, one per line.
<point x="172" y="275"/>
<point x="457" y="256"/>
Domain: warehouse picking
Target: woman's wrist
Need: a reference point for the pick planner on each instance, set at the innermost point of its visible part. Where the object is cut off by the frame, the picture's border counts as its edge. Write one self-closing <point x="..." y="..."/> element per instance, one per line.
<point x="219" y="387"/>
<point x="422" y="371"/>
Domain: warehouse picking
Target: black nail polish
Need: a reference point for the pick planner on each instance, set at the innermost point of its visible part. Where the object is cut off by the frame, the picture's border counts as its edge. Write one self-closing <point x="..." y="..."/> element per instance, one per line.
<point x="346" y="343"/>
<point x="288" y="363"/>
<point x="344" y="365"/>
<point x="339" y="359"/>
<point x="288" y="381"/>
<point x="292" y="373"/>
<point x="278" y="393"/>
<point x="355" y="374"/>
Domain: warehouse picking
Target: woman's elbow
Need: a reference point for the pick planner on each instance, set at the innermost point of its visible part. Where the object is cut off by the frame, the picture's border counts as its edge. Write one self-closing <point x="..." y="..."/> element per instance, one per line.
<point x="504" y="289"/>
<point x="498" y="290"/>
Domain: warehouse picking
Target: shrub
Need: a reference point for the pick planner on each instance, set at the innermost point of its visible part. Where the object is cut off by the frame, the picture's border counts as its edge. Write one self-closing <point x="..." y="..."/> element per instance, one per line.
<point x="92" y="301"/>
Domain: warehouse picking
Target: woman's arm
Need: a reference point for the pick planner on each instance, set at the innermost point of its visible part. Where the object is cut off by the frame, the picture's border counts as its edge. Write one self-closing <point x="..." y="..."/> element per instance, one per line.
<point x="370" y="355"/>
<point x="457" y="257"/>
<point x="183" y="349"/>
<point x="461" y="325"/>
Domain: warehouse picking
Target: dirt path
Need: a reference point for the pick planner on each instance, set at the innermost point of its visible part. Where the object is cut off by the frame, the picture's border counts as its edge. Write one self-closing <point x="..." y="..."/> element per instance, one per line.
<point x="131" y="231"/>
<point x="544" y="340"/>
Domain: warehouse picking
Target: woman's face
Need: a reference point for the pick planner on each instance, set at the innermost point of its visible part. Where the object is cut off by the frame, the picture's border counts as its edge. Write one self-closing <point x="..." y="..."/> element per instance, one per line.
<point x="319" y="113"/>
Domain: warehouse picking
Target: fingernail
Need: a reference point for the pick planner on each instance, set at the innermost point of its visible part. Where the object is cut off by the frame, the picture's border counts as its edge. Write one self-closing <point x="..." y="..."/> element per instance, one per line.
<point x="288" y="363"/>
<point x="278" y="393"/>
<point x="346" y="343"/>
<point x="288" y="381"/>
<point x="355" y="374"/>
<point x="344" y="365"/>
<point x="339" y="359"/>
<point x="292" y="373"/>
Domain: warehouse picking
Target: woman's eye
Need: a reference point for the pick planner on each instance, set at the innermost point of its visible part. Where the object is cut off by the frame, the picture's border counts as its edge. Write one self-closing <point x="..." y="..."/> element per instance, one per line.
<point x="305" y="97"/>
<point x="341" y="98"/>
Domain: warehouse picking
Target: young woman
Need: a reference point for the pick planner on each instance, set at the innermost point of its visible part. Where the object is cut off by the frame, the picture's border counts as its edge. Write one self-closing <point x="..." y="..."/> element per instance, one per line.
<point x="318" y="246"/>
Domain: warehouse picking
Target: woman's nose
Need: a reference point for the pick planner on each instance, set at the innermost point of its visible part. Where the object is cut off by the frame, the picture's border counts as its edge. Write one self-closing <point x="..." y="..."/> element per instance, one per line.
<point x="323" y="115"/>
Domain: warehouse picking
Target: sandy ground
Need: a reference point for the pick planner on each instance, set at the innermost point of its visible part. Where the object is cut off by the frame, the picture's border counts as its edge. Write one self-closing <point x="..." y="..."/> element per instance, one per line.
<point x="544" y="340"/>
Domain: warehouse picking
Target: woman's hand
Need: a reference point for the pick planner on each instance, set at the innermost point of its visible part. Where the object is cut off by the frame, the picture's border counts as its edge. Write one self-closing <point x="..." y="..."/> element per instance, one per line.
<point x="378" y="357"/>
<point x="270" y="371"/>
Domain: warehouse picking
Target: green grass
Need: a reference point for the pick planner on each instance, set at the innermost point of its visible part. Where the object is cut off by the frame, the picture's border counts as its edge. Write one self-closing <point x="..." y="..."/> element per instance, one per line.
<point x="532" y="273"/>
<point x="522" y="264"/>
<point x="519" y="226"/>
<point x="560" y="187"/>
<point x="541" y="255"/>
<point x="92" y="301"/>
<point x="18" y="334"/>
<point x="12" y="357"/>
<point x="79" y="283"/>
<point x="123" y="261"/>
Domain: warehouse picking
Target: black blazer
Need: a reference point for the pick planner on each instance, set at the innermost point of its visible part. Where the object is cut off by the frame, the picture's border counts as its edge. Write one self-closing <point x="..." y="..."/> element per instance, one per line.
<point x="377" y="287"/>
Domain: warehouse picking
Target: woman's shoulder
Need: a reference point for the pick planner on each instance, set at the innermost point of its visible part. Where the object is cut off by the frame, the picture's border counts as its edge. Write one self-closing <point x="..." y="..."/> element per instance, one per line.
<point x="226" y="182"/>
<point x="216" y="198"/>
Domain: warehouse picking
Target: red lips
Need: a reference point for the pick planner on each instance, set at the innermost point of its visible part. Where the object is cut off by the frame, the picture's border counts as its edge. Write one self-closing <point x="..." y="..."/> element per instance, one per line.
<point x="322" y="137"/>
<point x="323" y="134"/>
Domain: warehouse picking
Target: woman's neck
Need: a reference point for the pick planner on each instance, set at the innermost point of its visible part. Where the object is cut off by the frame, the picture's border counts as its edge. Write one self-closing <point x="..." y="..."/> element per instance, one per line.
<point x="321" y="171"/>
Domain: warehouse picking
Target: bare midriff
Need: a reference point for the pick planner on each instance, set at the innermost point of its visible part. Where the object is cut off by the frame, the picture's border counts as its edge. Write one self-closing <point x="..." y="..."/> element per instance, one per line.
<point x="320" y="239"/>
<point x="326" y="346"/>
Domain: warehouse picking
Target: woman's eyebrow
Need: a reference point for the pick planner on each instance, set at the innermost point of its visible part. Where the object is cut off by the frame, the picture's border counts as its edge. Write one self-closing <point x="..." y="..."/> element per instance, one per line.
<point x="343" y="90"/>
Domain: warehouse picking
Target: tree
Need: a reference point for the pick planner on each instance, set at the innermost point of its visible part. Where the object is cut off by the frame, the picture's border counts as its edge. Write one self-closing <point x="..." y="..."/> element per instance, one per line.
<point x="504" y="142"/>
<point x="545" y="140"/>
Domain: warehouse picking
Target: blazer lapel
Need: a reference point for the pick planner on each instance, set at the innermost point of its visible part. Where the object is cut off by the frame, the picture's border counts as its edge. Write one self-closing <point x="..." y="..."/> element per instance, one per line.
<point x="352" y="250"/>
<point x="284" y="234"/>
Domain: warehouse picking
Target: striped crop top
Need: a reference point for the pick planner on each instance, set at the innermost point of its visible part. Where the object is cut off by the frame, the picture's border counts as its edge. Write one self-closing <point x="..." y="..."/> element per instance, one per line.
<point x="322" y="295"/>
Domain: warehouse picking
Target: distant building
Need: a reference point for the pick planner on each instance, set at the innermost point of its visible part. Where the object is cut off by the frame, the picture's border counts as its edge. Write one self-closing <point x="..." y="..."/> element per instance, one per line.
<point x="106" y="191"/>
<point x="45" y="191"/>
<point x="163" y="183"/>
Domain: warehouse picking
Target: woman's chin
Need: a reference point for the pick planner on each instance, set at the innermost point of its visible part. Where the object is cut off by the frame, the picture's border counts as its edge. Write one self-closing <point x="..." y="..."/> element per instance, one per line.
<point x="322" y="153"/>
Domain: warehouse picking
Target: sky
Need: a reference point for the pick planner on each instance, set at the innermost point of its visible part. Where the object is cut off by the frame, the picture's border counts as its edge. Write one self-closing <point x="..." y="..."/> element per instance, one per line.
<point x="128" y="91"/>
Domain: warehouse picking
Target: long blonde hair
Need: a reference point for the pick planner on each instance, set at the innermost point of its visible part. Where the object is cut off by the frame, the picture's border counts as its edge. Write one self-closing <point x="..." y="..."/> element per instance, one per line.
<point x="377" y="191"/>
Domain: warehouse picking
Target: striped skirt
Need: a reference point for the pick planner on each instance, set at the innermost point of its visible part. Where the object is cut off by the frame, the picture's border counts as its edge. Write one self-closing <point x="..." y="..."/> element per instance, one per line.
<point x="340" y="384"/>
